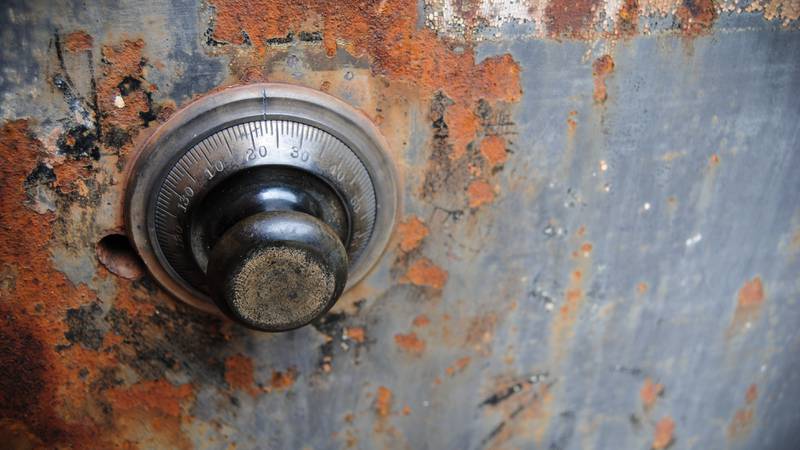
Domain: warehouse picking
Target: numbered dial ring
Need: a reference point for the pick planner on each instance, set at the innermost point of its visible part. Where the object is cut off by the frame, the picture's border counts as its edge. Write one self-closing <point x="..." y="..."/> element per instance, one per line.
<point x="230" y="135"/>
<point x="251" y="144"/>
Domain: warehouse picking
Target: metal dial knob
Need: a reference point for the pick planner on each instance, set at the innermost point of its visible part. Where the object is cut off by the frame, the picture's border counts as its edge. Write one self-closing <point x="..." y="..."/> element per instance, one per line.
<point x="262" y="202"/>
<point x="276" y="271"/>
<point x="272" y="243"/>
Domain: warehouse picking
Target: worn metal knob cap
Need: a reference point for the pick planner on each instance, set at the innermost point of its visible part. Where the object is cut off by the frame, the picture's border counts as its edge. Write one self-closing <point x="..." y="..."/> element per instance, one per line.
<point x="278" y="270"/>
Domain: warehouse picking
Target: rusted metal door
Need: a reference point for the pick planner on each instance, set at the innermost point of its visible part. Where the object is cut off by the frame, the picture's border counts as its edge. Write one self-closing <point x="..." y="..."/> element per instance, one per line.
<point x="598" y="245"/>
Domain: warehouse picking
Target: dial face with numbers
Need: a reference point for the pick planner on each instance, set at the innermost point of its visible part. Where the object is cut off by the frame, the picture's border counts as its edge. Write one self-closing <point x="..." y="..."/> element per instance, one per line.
<point x="249" y="144"/>
<point x="258" y="125"/>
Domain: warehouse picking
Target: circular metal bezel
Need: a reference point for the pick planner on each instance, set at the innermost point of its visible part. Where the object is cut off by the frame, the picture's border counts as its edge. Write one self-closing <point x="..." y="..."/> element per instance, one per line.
<point x="237" y="105"/>
<point x="230" y="153"/>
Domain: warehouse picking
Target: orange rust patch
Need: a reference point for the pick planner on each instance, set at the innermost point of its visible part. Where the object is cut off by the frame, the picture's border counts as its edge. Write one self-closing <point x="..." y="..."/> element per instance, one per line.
<point x="78" y="41"/>
<point x="356" y="334"/>
<point x="741" y="423"/>
<point x="283" y="380"/>
<point x="751" y="295"/>
<point x="423" y="272"/>
<point x="480" y="332"/>
<point x="571" y="18"/>
<point x="70" y="176"/>
<point x="406" y="410"/>
<point x="480" y="193"/>
<point x="748" y="305"/>
<point x="628" y="18"/>
<point x="714" y="159"/>
<point x="573" y="296"/>
<point x="696" y="16"/>
<point x="563" y="323"/>
<point x="458" y="366"/>
<point x="32" y="378"/>
<point x="153" y="406"/>
<point x="411" y="233"/>
<point x="572" y="124"/>
<point x="122" y="76"/>
<point x="421" y="321"/>
<point x="649" y="393"/>
<point x="386" y="34"/>
<point x="601" y="69"/>
<point x="410" y="343"/>
<point x="383" y="401"/>
<point x="664" y="433"/>
<point x="752" y="394"/>
<point x="159" y="398"/>
<point x="743" y="419"/>
<point x="493" y="149"/>
<point x="642" y="288"/>
<point x="239" y="374"/>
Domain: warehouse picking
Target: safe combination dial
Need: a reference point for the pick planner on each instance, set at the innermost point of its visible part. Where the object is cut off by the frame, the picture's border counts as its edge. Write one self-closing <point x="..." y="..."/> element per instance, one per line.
<point x="263" y="202"/>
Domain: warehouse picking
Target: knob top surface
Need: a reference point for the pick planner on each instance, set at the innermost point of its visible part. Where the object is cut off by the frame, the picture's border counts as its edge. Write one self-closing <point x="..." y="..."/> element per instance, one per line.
<point x="275" y="271"/>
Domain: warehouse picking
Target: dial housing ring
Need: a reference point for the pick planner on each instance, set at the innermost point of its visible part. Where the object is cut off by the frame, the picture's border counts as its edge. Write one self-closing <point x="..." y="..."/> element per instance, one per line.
<point x="218" y="135"/>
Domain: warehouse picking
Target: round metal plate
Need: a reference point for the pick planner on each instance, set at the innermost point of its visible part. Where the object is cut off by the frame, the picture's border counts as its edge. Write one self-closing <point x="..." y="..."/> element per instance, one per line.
<point x="241" y="127"/>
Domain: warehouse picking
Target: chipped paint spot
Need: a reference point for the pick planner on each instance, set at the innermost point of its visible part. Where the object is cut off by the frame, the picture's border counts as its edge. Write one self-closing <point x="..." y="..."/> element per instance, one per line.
<point x="743" y="420"/>
<point x="628" y="18"/>
<point x="571" y="18"/>
<point x="78" y="41"/>
<point x="123" y="76"/>
<point x="649" y="393"/>
<point x="239" y="374"/>
<point x="696" y="16"/>
<point x="493" y="150"/>
<point x="356" y="334"/>
<point x="786" y="11"/>
<point x="752" y="394"/>
<point x="423" y="272"/>
<point x="159" y="397"/>
<point x="383" y="401"/>
<point x="741" y="423"/>
<point x="563" y="324"/>
<point x="663" y="436"/>
<point x="601" y="69"/>
<point x="410" y="343"/>
<point x="283" y="379"/>
<point x="421" y="321"/>
<point x="480" y="332"/>
<point x="590" y="20"/>
<point x="458" y="366"/>
<point x="748" y="306"/>
<point x="411" y="233"/>
<point x="751" y="295"/>
<point x="150" y="406"/>
<point x="480" y="193"/>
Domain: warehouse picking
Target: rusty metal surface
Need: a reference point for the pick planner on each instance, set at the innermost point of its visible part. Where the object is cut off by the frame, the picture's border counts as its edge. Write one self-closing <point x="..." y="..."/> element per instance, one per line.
<point x="600" y="244"/>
